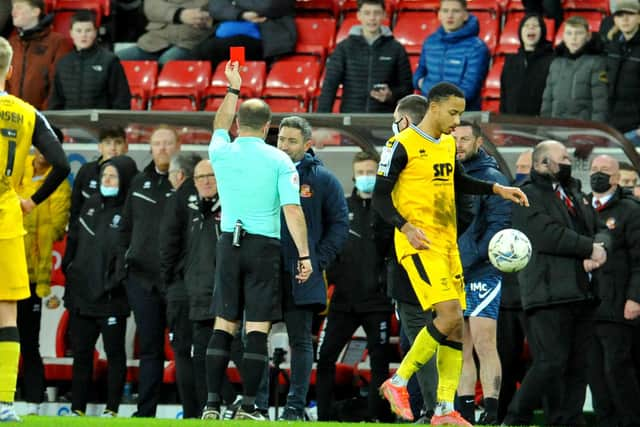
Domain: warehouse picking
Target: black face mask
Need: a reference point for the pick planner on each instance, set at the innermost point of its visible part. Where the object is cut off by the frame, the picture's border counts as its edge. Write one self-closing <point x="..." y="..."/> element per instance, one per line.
<point x="600" y="182"/>
<point x="564" y="173"/>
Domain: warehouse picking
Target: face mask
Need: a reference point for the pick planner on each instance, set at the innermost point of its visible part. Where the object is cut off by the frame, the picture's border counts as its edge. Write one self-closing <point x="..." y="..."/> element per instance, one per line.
<point x="564" y="174"/>
<point x="108" y="191"/>
<point x="520" y="177"/>
<point x="365" y="183"/>
<point x="600" y="182"/>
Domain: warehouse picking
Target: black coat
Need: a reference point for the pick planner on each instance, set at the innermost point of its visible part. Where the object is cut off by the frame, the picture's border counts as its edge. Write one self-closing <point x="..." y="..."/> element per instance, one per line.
<point x="523" y="79"/>
<point x="384" y="61"/>
<point x="359" y="273"/>
<point x="555" y="274"/>
<point x="85" y="184"/>
<point x="91" y="78"/>
<point x="623" y="71"/>
<point x="620" y="275"/>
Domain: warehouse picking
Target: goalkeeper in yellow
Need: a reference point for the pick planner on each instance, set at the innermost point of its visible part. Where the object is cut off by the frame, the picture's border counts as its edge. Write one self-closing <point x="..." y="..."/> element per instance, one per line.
<point x="20" y="126"/>
<point x="415" y="191"/>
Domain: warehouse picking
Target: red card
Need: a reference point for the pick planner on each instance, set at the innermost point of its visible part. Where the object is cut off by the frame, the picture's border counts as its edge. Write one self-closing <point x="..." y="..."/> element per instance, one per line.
<point x="236" y="53"/>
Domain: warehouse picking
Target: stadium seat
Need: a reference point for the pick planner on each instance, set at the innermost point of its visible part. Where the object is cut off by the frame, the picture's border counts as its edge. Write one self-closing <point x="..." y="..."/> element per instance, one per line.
<point x="290" y="85"/>
<point x="253" y="73"/>
<point x="586" y="5"/>
<point x="484" y="6"/>
<point x="412" y="28"/>
<point x="348" y="8"/>
<point x="418" y="5"/>
<point x="491" y="87"/>
<point x="489" y="28"/>
<point x="65" y="9"/>
<point x="510" y="39"/>
<point x="181" y="85"/>
<point x="594" y="19"/>
<point x="345" y="27"/>
<point x="490" y="104"/>
<point x="414" y="60"/>
<point x="317" y="8"/>
<point x="142" y="77"/>
<point x="316" y="95"/>
<point x="316" y="36"/>
<point x="515" y="5"/>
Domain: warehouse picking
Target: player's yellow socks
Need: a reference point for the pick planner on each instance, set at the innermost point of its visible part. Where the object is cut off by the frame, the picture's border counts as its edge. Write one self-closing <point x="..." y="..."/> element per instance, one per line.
<point x="449" y="370"/>
<point x="9" y="358"/>
<point x="423" y="349"/>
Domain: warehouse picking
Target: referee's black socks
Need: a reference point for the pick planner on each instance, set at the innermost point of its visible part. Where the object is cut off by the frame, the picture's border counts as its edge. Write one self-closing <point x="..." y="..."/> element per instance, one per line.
<point x="218" y="353"/>
<point x="254" y="362"/>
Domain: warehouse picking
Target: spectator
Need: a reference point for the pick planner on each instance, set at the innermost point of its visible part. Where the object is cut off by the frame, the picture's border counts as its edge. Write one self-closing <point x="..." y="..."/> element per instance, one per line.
<point x="454" y="54"/>
<point x="175" y="28"/>
<point x="265" y="28"/>
<point x="629" y="179"/>
<point x="36" y="51"/>
<point x="550" y="8"/>
<point x="613" y="376"/>
<point x="89" y="76"/>
<point x="128" y="18"/>
<point x="623" y="66"/>
<point x="525" y="73"/>
<point x="95" y="293"/>
<point x="44" y="225"/>
<point x="557" y="288"/>
<point x="483" y="282"/>
<point x="111" y="142"/>
<point x="141" y="219"/>
<point x="5" y="21"/>
<point x="576" y="86"/>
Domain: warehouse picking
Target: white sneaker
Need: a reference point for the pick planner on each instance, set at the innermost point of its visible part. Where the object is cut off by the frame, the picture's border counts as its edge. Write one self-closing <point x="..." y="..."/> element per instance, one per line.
<point x="8" y="413"/>
<point x="107" y="413"/>
<point x="33" y="409"/>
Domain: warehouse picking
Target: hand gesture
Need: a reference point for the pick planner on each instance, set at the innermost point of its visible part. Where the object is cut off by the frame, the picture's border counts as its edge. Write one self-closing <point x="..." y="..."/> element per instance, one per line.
<point x="631" y="310"/>
<point x="599" y="254"/>
<point x="416" y="236"/>
<point x="252" y="16"/>
<point x="304" y="270"/>
<point x="511" y="193"/>
<point x="381" y="95"/>
<point x="27" y="205"/>
<point x="194" y="17"/>
<point x="590" y="265"/>
<point x="232" y="71"/>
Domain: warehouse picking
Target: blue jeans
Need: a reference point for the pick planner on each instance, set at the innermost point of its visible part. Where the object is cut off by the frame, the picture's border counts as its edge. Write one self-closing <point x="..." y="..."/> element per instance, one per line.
<point x="173" y="53"/>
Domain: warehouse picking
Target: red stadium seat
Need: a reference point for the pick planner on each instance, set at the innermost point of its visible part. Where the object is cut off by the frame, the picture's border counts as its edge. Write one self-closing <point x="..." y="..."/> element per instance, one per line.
<point x="287" y="104"/>
<point x="593" y="18"/>
<point x="515" y="5"/>
<point x="489" y="29"/>
<point x="336" y="102"/>
<point x="586" y="5"/>
<point x="510" y="39"/>
<point x="290" y="85"/>
<point x="348" y="8"/>
<point x="65" y="9"/>
<point x="142" y="77"/>
<point x="491" y="104"/>
<point x="412" y="28"/>
<point x="418" y="5"/>
<point x="254" y="74"/>
<point x="181" y="85"/>
<point x="414" y="60"/>
<point x="484" y="6"/>
<point x="317" y="8"/>
<point x="316" y="36"/>
<point x="491" y="87"/>
<point x="348" y="23"/>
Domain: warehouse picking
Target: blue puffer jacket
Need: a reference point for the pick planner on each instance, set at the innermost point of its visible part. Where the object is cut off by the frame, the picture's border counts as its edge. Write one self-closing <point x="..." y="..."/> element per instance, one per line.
<point x="459" y="57"/>
<point x="491" y="214"/>
<point x="327" y="217"/>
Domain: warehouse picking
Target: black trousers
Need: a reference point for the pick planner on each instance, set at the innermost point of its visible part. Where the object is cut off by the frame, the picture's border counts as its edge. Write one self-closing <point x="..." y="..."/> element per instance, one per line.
<point x="201" y="330"/>
<point x="339" y="330"/>
<point x="613" y="377"/>
<point x="511" y="334"/>
<point x="150" y="314"/>
<point x="29" y="316"/>
<point x="560" y="338"/>
<point x="181" y="337"/>
<point x="84" y="334"/>
<point x="216" y="50"/>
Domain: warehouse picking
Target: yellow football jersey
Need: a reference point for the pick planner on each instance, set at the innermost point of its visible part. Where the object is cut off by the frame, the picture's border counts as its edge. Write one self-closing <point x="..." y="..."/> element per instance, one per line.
<point x="423" y="169"/>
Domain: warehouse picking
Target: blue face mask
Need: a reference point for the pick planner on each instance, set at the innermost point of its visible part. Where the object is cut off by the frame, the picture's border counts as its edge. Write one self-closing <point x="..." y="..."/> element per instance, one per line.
<point x="108" y="191"/>
<point x="520" y="177"/>
<point x="365" y="183"/>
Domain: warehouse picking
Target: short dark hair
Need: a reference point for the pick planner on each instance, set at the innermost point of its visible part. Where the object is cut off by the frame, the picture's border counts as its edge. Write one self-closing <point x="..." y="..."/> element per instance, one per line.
<point x="112" y="133"/>
<point x="374" y="2"/>
<point x="443" y="91"/>
<point x="363" y="156"/>
<point x="186" y="162"/>
<point x="414" y="106"/>
<point x="577" y="21"/>
<point x="297" y="122"/>
<point x="254" y="114"/>
<point x="35" y="3"/>
<point x="625" y="166"/>
<point x="462" y="3"/>
<point x="84" y="15"/>
<point x="475" y="127"/>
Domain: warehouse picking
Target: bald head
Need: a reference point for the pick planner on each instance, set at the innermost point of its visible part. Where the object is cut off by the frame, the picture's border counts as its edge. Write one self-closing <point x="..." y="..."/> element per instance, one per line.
<point x="523" y="164"/>
<point x="253" y="116"/>
<point x="604" y="175"/>
<point x="548" y="155"/>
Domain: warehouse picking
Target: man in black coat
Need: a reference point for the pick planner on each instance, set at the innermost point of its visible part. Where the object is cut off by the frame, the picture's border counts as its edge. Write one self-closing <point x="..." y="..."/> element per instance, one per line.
<point x="613" y="379"/>
<point x="557" y="288"/>
<point x="372" y="66"/>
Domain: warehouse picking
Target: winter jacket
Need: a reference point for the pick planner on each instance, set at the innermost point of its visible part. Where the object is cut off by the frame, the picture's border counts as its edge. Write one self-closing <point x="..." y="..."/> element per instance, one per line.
<point x="35" y="54"/>
<point x="576" y="86"/>
<point x="491" y="214"/>
<point x="85" y="184"/>
<point x="164" y="30"/>
<point x="458" y="57"/>
<point x="94" y="259"/>
<point x="560" y="243"/>
<point x="525" y="74"/>
<point x="142" y="217"/>
<point x="383" y="61"/>
<point x="360" y="273"/>
<point x="620" y="275"/>
<point x="90" y="78"/>
<point x="44" y="225"/>
<point x="623" y="72"/>
<point x="325" y="212"/>
<point x="278" y="32"/>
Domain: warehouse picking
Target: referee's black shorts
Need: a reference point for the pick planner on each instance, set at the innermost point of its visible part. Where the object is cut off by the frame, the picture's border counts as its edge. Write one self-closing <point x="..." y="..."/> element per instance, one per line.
<point x="248" y="279"/>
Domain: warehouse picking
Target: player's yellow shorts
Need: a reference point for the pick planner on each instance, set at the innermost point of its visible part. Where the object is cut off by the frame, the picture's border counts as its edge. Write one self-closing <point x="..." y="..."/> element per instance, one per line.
<point x="14" y="281"/>
<point x="436" y="277"/>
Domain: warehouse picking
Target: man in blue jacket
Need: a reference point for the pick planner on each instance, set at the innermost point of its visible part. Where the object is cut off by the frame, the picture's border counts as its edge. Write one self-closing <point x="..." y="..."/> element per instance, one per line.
<point x="325" y="211"/>
<point x="482" y="280"/>
<point x="454" y="54"/>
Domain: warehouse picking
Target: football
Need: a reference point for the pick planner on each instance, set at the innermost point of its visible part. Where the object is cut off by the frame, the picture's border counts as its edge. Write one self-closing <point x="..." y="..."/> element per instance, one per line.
<point x="509" y="250"/>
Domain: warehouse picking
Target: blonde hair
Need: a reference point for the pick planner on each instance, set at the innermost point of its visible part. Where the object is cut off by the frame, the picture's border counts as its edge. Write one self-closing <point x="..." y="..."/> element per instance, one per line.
<point x="6" y="54"/>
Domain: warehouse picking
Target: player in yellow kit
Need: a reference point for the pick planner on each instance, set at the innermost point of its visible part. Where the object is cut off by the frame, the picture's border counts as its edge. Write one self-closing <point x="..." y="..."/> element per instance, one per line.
<point x="20" y="126"/>
<point x="415" y="191"/>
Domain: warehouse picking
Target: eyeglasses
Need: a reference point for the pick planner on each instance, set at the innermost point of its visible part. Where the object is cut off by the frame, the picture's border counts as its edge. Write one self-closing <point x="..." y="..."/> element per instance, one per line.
<point x="203" y="177"/>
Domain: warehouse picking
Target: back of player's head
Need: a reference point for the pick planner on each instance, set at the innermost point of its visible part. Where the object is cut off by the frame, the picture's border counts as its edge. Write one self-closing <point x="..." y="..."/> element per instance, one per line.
<point x="363" y="156"/>
<point x="83" y="15"/>
<point x="413" y="106"/>
<point x="297" y="122"/>
<point x="475" y="127"/>
<point x="6" y="53"/>
<point x="254" y="114"/>
<point x="443" y="91"/>
<point x="373" y="2"/>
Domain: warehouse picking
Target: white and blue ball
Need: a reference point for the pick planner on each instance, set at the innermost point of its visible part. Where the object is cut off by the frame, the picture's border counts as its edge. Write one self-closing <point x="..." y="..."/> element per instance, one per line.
<point x="509" y="250"/>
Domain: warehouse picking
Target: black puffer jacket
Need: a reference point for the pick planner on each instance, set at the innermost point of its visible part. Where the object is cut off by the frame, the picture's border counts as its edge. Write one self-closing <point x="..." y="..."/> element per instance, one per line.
<point x="94" y="259"/>
<point x="384" y="61"/>
<point x="90" y="78"/>
<point x="620" y="275"/>
<point x="623" y="68"/>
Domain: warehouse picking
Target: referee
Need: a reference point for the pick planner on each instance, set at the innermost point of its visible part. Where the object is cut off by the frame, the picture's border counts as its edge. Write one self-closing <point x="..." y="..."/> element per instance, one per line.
<point x="255" y="180"/>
